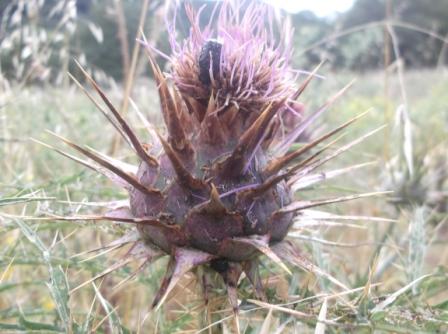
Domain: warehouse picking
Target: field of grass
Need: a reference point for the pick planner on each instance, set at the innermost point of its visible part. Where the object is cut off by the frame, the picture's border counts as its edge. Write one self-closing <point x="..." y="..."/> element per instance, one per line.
<point x="398" y="270"/>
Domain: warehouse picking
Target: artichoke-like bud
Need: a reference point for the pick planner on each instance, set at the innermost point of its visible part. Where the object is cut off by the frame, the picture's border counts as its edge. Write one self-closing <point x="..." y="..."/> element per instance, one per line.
<point x="231" y="88"/>
<point x="217" y="189"/>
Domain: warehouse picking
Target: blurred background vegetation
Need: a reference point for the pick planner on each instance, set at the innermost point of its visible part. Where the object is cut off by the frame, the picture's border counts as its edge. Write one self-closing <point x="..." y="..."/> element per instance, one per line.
<point x="397" y="50"/>
<point x="46" y="35"/>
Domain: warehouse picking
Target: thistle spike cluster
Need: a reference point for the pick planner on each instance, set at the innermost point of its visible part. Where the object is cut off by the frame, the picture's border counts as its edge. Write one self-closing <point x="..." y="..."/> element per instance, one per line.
<point x="219" y="195"/>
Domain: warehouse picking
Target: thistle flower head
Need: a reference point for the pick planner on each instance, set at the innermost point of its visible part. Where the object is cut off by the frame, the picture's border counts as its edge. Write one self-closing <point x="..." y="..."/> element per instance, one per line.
<point x="236" y="59"/>
<point x="218" y="193"/>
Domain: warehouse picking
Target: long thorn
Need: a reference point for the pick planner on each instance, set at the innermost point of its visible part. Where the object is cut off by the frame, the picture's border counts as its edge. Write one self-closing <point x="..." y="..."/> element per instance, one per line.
<point x="125" y="176"/>
<point x="100" y="108"/>
<point x="273" y="180"/>
<point x="151" y="161"/>
<point x="307" y="81"/>
<point x="301" y="205"/>
<point x="283" y="146"/>
<point x="275" y="166"/>
<point x="339" y="151"/>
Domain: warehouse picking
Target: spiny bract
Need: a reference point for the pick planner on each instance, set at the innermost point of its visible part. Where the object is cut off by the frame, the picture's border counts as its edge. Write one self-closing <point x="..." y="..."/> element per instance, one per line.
<point x="218" y="191"/>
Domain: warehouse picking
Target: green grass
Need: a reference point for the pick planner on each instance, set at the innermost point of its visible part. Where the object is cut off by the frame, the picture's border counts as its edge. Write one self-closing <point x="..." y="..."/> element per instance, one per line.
<point x="38" y="266"/>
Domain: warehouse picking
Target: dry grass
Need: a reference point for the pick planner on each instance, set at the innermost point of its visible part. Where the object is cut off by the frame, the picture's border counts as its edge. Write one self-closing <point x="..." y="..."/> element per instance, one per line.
<point x="397" y="270"/>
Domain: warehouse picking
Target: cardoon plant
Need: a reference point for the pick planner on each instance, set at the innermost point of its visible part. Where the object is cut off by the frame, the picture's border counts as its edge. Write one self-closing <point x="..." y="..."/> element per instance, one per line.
<point x="220" y="188"/>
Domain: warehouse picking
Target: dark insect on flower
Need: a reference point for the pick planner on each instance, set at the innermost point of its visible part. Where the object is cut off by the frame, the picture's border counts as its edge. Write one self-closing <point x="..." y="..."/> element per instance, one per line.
<point x="209" y="61"/>
<point x="218" y="190"/>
